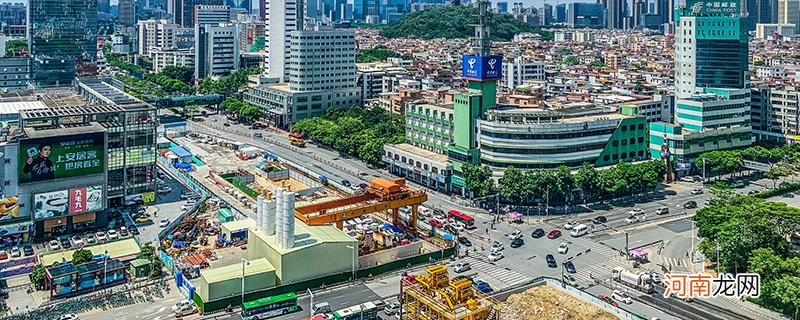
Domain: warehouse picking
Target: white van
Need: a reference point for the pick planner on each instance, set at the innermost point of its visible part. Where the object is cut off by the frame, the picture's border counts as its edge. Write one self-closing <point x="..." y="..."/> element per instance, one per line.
<point x="579" y="230"/>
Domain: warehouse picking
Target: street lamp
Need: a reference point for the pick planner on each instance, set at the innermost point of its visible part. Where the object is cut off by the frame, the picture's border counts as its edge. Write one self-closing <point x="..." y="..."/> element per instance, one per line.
<point x="353" y="247"/>
<point x="694" y="223"/>
<point x="311" y="303"/>
<point x="105" y="260"/>
<point x="245" y="262"/>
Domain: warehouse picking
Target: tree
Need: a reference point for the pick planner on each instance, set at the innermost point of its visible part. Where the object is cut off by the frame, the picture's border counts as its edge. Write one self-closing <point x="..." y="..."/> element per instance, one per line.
<point x="14" y="46"/>
<point x="512" y="185"/>
<point x="37" y="276"/>
<point x="478" y="179"/>
<point x="598" y="64"/>
<point x="81" y="256"/>
<point x="563" y="182"/>
<point x="571" y="60"/>
<point x="586" y="179"/>
<point x="787" y="291"/>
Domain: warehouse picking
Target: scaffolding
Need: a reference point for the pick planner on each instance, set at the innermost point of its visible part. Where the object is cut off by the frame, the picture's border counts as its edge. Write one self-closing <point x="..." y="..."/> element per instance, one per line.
<point x="433" y="296"/>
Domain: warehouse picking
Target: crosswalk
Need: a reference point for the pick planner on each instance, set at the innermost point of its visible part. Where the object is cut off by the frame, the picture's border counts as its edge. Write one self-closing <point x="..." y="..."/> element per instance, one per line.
<point x="675" y="263"/>
<point x="587" y="272"/>
<point x="506" y="275"/>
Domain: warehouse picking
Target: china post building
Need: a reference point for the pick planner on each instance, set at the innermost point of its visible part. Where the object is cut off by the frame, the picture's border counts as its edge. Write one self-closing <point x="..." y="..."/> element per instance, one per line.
<point x="68" y="155"/>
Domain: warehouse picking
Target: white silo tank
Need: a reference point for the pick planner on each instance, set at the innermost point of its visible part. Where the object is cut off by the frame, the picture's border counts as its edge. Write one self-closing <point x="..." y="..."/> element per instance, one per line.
<point x="278" y="215"/>
<point x="269" y="216"/>
<point x="260" y="212"/>
<point x="288" y="220"/>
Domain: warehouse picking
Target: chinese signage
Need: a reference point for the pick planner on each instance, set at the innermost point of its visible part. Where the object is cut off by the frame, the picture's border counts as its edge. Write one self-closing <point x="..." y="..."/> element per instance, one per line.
<point x="482" y="68"/>
<point x="51" y="158"/>
<point x="73" y="201"/>
<point x="706" y="286"/>
<point x="713" y="7"/>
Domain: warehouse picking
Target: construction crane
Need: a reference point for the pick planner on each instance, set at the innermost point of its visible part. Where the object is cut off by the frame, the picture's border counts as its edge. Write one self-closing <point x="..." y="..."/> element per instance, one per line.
<point x="381" y="195"/>
<point x="432" y="296"/>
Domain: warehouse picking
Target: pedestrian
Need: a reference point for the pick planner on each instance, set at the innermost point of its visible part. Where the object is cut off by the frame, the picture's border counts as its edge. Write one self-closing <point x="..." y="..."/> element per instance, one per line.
<point x="487" y="230"/>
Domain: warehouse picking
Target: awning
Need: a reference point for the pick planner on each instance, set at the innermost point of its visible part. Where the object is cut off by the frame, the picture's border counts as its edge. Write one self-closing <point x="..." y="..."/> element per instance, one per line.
<point x="514" y="214"/>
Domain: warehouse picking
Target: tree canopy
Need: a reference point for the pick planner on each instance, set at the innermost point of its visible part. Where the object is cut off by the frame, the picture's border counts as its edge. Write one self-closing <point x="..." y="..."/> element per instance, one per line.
<point x="228" y="85"/>
<point x="245" y="111"/>
<point x="357" y="131"/>
<point x="81" y="256"/>
<point x="478" y="179"/>
<point x="377" y="54"/>
<point x="456" y="22"/>
<point x="14" y="46"/>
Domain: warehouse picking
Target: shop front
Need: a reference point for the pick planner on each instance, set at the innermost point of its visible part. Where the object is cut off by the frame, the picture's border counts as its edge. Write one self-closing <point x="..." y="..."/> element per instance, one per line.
<point x="68" y="279"/>
<point x="15" y="234"/>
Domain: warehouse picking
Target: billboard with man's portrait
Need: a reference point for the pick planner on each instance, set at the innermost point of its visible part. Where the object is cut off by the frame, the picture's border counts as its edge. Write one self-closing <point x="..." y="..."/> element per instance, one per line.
<point x="43" y="159"/>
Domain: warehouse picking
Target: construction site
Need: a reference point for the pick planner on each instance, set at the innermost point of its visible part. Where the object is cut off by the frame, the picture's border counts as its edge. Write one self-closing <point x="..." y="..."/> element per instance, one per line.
<point x="434" y="296"/>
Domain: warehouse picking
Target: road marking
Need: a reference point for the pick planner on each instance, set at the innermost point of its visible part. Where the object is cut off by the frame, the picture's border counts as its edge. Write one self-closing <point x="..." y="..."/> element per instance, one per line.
<point x="162" y="309"/>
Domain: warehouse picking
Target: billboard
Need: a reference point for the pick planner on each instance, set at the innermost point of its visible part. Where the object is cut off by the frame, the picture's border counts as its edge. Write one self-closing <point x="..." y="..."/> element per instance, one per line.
<point x="9" y="207"/>
<point x="50" y="158"/>
<point x="63" y="202"/>
<point x="713" y="7"/>
<point x="482" y="68"/>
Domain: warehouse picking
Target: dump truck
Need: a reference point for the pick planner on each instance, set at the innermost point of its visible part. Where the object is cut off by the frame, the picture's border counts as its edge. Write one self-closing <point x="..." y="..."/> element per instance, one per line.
<point x="639" y="282"/>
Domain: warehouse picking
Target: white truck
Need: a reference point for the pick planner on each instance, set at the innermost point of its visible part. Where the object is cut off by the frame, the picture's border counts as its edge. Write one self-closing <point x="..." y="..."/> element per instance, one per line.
<point x="639" y="282"/>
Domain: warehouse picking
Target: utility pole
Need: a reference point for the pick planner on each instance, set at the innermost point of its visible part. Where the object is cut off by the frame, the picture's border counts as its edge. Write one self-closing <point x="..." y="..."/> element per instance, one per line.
<point x="626" y="245"/>
<point x="311" y="303"/>
<point x="547" y="202"/>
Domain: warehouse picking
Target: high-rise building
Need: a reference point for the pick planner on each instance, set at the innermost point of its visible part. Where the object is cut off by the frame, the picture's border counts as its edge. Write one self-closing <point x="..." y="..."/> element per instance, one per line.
<point x="560" y="13"/>
<point x="156" y="34"/>
<point x="216" y="50"/>
<point x="12" y="13"/>
<point x="711" y="84"/>
<point x="789" y="13"/>
<point x="546" y="14"/>
<point x="182" y="11"/>
<point x="664" y="10"/>
<point x="211" y="14"/>
<point x="239" y="4"/>
<point x="517" y="72"/>
<point x="711" y="46"/>
<point x="502" y="7"/>
<point x="127" y="13"/>
<point x="62" y="38"/>
<point x="104" y="6"/>
<point x="322" y="74"/>
<point x="584" y="14"/>
<point x="615" y="13"/>
<point x="761" y="11"/>
<point x="282" y="18"/>
<point x="639" y="10"/>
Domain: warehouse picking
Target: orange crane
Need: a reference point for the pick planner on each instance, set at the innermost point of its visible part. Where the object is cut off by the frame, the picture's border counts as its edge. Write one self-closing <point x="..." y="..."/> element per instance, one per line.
<point x="381" y="195"/>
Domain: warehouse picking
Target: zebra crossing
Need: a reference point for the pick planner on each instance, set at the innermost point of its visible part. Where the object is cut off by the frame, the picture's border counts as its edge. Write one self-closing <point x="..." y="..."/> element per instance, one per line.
<point x="506" y="275"/>
<point x="675" y="263"/>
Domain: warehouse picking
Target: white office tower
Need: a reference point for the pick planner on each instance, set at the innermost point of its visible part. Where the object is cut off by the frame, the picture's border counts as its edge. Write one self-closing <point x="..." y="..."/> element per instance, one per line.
<point x="287" y="237"/>
<point x="282" y="18"/>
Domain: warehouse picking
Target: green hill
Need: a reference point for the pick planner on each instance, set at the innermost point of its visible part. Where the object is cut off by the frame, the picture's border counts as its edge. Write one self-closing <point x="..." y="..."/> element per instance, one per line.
<point x="456" y="22"/>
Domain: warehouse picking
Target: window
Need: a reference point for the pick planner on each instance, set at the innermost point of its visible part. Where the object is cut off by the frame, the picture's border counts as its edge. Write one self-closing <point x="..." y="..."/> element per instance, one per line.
<point x="615" y="157"/>
<point x="632" y="140"/>
<point x="633" y="127"/>
<point x="623" y="155"/>
<point x="641" y="139"/>
<point x="7" y="160"/>
<point x="624" y="142"/>
<point x="404" y="159"/>
<point x="615" y="143"/>
<point x="632" y="154"/>
<point x="641" y="153"/>
<point x="641" y="126"/>
<point x="425" y="166"/>
<point x="605" y="158"/>
<point x="418" y="164"/>
<point x="7" y="183"/>
<point x="624" y="128"/>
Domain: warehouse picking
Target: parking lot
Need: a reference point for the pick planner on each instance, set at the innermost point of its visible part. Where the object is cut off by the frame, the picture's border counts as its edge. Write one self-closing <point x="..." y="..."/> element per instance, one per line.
<point x="168" y="206"/>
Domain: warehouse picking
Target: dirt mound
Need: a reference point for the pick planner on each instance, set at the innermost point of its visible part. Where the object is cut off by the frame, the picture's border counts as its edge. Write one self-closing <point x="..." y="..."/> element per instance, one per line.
<point x="545" y="302"/>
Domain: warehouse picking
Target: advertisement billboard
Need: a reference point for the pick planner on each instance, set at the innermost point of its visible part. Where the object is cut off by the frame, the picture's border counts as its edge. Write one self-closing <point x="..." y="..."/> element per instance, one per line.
<point x="482" y="68"/>
<point x="9" y="207"/>
<point x="63" y="202"/>
<point x="704" y="7"/>
<point x="50" y="158"/>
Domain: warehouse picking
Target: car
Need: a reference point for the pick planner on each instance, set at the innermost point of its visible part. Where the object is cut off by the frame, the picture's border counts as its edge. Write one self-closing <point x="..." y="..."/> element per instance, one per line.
<point x="391" y="308"/>
<point x="187" y="195"/>
<point x="436" y="223"/>
<point x="90" y="238"/>
<point x="163" y="223"/>
<point x="738" y="184"/>
<point x="494" y="256"/>
<point x="77" y="241"/>
<point x="402" y="314"/>
<point x="226" y="124"/>
<point x="346" y="183"/>
<point x="554" y="234"/>
<point x="608" y="300"/>
<point x="101" y="236"/>
<point x="563" y="248"/>
<point x="516" y="243"/>
<point x="516" y="234"/>
<point x="461" y="266"/>
<point x="497" y="246"/>
<point x="690" y="205"/>
<point x="621" y="296"/>
<point x="143" y="219"/>
<point x="449" y="228"/>
<point x="363" y="185"/>
<point x="3" y="255"/>
<point x="15" y="253"/>
<point x="538" y="233"/>
<point x="662" y="210"/>
<point x="569" y="279"/>
<point x="687" y="179"/>
<point x="54" y="245"/>
<point x="27" y="250"/>
<point x="600" y="219"/>
<point x="461" y="276"/>
<point x="65" y="242"/>
<point x="482" y="286"/>
<point x="632" y="219"/>
<point x="464" y="241"/>
<point x="569" y="266"/>
<point x="697" y="191"/>
<point x="752" y="192"/>
<point x="164" y="190"/>
<point x="551" y="261"/>
<point x="635" y="212"/>
<point x="655" y="278"/>
<point x="133" y="230"/>
<point x="112" y="234"/>
<point x="570" y="224"/>
<point x="123" y="231"/>
<point x="68" y="317"/>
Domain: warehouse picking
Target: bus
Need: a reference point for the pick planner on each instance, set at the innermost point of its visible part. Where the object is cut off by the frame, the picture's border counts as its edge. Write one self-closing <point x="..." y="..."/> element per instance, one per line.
<point x="465" y="219"/>
<point x="269" y="307"/>
<point x="365" y="311"/>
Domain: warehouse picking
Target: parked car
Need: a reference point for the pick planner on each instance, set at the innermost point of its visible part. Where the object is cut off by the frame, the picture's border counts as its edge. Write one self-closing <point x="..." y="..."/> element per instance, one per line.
<point x="516" y="243"/>
<point x="112" y="234"/>
<point x="697" y="191"/>
<point x="570" y="224"/>
<point x="461" y="266"/>
<point x="538" y="233"/>
<point x="554" y="234"/>
<point x="101" y="236"/>
<point x="687" y="179"/>
<point x="482" y="286"/>
<point x="464" y="241"/>
<point x="551" y="261"/>
<point x="53" y="245"/>
<point x="497" y="246"/>
<point x="143" y="219"/>
<point x="690" y="205"/>
<point x="68" y="317"/>
<point x="65" y="242"/>
<point x="27" y="250"/>
<point x="90" y="238"/>
<point x="77" y="241"/>
<point x="621" y="296"/>
<point x="569" y="266"/>
<point x="563" y="248"/>
<point x="163" y="223"/>
<point x="15" y="253"/>
<point x="123" y="231"/>
<point x="133" y="230"/>
<point x="600" y="219"/>
<point x="516" y="234"/>
<point x="346" y="183"/>
<point x="3" y="255"/>
<point x="391" y="308"/>
<point x="494" y="256"/>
